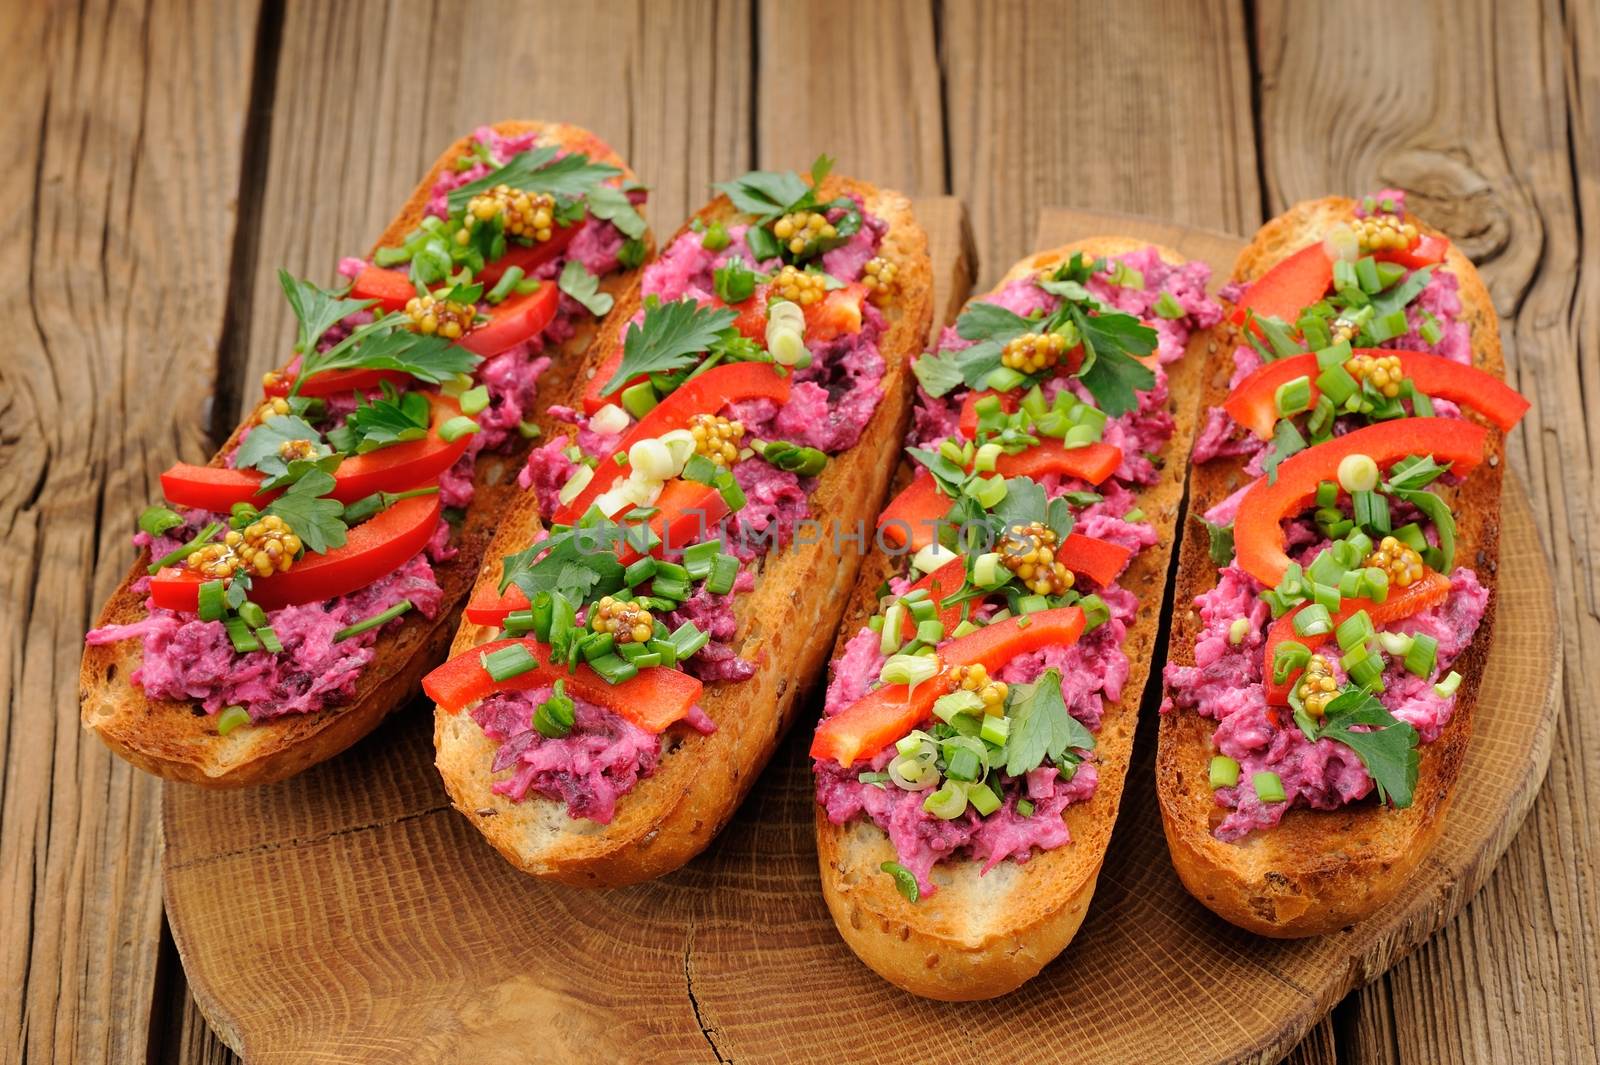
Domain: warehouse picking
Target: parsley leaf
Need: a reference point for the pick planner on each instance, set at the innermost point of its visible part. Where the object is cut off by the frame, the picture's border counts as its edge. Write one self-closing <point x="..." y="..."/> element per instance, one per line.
<point x="611" y="204"/>
<point x="578" y="564"/>
<point x="949" y="475"/>
<point x="669" y="338"/>
<point x="577" y="282"/>
<point x="938" y="372"/>
<point x="1110" y="372"/>
<point x="1040" y="725"/>
<point x="432" y="359"/>
<point x="259" y="450"/>
<point x="316" y="310"/>
<point x="1025" y="502"/>
<point x="391" y="419"/>
<point x="305" y="508"/>
<point x="989" y="326"/>
<point x="1389" y="750"/>
<point x="1221" y="542"/>
<point x="1286" y="441"/>
<point x="766" y="193"/>
<point x="538" y="170"/>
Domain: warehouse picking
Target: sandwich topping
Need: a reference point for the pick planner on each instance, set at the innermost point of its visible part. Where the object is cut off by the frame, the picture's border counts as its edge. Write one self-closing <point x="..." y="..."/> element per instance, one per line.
<point x="1327" y="643"/>
<point x="962" y="719"/>
<point x="752" y="361"/>
<point x="274" y="572"/>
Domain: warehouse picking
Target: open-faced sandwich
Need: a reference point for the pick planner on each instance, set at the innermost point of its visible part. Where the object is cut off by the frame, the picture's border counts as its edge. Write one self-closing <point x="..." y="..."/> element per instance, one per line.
<point x="985" y="687"/>
<point x="651" y="609"/>
<point x="1340" y="567"/>
<point x="294" y="590"/>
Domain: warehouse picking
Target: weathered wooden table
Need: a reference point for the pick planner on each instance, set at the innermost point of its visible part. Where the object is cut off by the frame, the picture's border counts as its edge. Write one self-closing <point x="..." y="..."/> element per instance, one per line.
<point x="170" y="156"/>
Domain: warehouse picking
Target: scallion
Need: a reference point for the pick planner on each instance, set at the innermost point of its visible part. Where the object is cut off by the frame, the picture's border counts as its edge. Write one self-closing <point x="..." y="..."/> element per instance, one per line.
<point x="199" y="540"/>
<point x="375" y="621"/>
<point x="1224" y="772"/>
<point x="508" y="662"/>
<point x="1268" y="787"/>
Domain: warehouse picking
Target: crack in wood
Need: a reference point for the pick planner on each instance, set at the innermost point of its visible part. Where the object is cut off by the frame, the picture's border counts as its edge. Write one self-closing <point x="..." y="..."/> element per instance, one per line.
<point x="694" y="1002"/>
<point x="297" y="842"/>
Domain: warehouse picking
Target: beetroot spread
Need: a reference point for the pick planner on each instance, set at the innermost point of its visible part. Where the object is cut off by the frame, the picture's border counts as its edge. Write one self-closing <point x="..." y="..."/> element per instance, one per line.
<point x="1224" y="685"/>
<point x="588" y="769"/>
<point x="185" y="658"/>
<point x="1093" y="670"/>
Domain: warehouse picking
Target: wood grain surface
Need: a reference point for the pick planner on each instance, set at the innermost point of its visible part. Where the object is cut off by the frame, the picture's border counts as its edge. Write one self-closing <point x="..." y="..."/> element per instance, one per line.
<point x="350" y="914"/>
<point x="139" y="130"/>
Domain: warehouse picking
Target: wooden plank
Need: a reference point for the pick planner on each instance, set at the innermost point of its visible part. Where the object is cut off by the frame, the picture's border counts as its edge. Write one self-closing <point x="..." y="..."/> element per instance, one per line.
<point x="1074" y="105"/>
<point x="858" y="81"/>
<point x="119" y="215"/>
<point x="1492" y="128"/>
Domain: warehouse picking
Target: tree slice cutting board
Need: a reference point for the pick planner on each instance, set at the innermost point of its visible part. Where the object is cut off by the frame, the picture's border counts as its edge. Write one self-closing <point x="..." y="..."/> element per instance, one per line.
<point x="351" y="915"/>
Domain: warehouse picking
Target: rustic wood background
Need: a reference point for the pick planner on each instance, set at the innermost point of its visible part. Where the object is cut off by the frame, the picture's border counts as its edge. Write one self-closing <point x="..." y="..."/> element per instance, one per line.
<point x="169" y="156"/>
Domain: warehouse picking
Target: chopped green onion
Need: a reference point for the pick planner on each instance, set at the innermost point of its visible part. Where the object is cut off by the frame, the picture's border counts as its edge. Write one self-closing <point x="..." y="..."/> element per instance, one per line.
<point x="244" y="641"/>
<point x="909" y="669"/>
<point x="1429" y="331"/>
<point x="1224" y="772"/>
<point x="555" y="716"/>
<point x="231" y="718"/>
<point x="506" y="285"/>
<point x="1421" y="655"/>
<point x="983" y="799"/>
<point x="269" y="640"/>
<point x="1395" y="643"/>
<point x="376" y="620"/>
<point x="157" y="519"/>
<point x="724" y="571"/>
<point x="1367" y="275"/>
<point x="1292" y="397"/>
<point x="699" y="558"/>
<point x="199" y="540"/>
<point x="474" y="400"/>
<point x="715" y="238"/>
<point x="1354" y="630"/>
<point x="1327" y="494"/>
<point x="904" y="882"/>
<point x="1268" y="787"/>
<point x="1389" y="325"/>
<point x="1289" y="656"/>
<point x="1338" y="385"/>
<point x="670" y="588"/>
<point x="640" y="399"/>
<point x="455" y="428"/>
<point x="1447" y="687"/>
<point x="508" y="662"/>
<point x="1371" y="511"/>
<point x="1313" y="620"/>
<point x="1024" y="807"/>
<point x="948" y="803"/>
<point x="994" y="729"/>
<point x="1095" y="612"/>
<point x="1167" y="306"/>
<point x="639" y="571"/>
<point x="893" y="621"/>
<point x="614" y="669"/>
<point x="688" y="639"/>
<point x="930" y="631"/>
<point x="1367" y="669"/>
<point x="212" y="604"/>
<point x="252" y="613"/>
<point x="1238" y="631"/>
<point x="528" y="430"/>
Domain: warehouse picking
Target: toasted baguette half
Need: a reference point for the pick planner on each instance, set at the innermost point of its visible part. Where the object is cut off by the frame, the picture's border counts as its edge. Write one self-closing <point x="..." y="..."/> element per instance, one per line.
<point x="1319" y="871"/>
<point x="800" y="592"/>
<point x="178" y="740"/>
<point x="982" y="935"/>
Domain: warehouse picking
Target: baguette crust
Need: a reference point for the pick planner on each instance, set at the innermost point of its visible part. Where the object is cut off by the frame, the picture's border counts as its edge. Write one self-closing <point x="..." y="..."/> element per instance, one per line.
<point x="670" y="816"/>
<point x="1319" y="871"/>
<point x="177" y="740"/>
<point x="983" y="935"/>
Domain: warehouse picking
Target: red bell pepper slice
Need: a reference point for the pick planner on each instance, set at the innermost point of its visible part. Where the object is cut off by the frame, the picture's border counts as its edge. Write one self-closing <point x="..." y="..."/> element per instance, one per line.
<point x="968" y="426"/>
<point x="707" y="393"/>
<point x="912" y="516"/>
<point x="389" y="469"/>
<point x="530" y="258"/>
<point x="1429" y="250"/>
<point x="836" y="314"/>
<point x="337" y="382"/>
<point x="881" y="717"/>
<point x="1289" y="287"/>
<point x="652" y="699"/>
<point x="510" y="323"/>
<point x="1088" y="556"/>
<point x="1258" y="530"/>
<point x="1416" y="597"/>
<point x="595" y="396"/>
<point x="1254" y="404"/>
<point x="374" y="548"/>
<point x="391" y="288"/>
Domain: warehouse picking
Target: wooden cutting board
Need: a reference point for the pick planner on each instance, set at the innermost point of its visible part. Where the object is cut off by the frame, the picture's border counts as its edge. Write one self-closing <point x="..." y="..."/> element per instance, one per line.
<point x="351" y="915"/>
